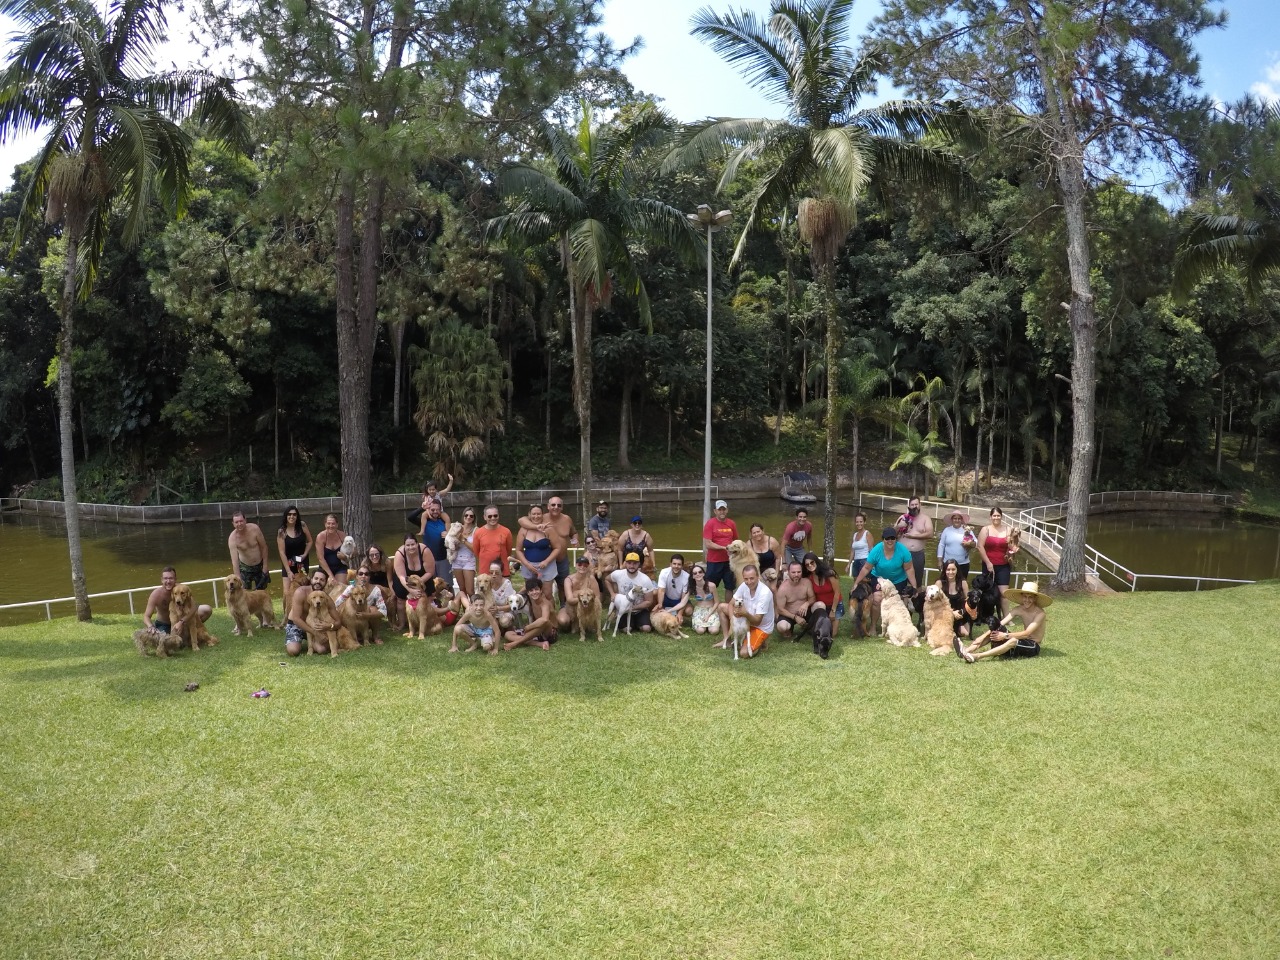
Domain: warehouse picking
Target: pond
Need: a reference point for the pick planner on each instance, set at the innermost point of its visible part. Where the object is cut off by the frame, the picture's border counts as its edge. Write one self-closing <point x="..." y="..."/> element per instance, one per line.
<point x="1187" y="545"/>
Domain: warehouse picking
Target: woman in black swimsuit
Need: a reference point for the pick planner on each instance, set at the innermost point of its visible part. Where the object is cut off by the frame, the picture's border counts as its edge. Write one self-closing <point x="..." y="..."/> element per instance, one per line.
<point x="293" y="541"/>
<point x="953" y="586"/>
<point x="379" y="570"/>
<point x="411" y="560"/>
<point x="636" y="540"/>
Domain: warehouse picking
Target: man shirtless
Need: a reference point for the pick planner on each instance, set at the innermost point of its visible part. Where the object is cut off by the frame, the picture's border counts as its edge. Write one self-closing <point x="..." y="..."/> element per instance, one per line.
<point x="158" y="605"/>
<point x="560" y="524"/>
<point x="1030" y="609"/>
<point x="296" y="630"/>
<point x="541" y="629"/>
<point x="580" y="578"/>
<point x="248" y="553"/>
<point x="794" y="600"/>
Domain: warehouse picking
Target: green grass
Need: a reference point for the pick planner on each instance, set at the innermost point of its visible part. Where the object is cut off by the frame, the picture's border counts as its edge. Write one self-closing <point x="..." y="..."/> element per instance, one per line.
<point x="646" y="798"/>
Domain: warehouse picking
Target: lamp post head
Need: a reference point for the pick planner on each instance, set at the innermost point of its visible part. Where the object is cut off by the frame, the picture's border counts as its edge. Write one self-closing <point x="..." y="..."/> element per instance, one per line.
<point x="706" y="217"/>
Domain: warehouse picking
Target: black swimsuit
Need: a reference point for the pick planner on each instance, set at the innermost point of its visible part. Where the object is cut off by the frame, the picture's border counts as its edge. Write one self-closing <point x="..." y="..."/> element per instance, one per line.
<point x="294" y="547"/>
<point x="399" y="588"/>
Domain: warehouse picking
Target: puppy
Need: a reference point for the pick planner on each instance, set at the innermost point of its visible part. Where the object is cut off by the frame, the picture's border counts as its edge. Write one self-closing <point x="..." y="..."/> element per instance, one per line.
<point x="322" y="615"/>
<point x="244" y="605"/>
<point x="182" y="606"/>
<point x="820" y="627"/>
<point x="741" y="555"/>
<point x="1015" y="540"/>
<point x="157" y="642"/>
<point x="354" y="614"/>
<point x="452" y="541"/>
<point x="588" y="604"/>
<point x="899" y="630"/>
<point x="347" y="552"/>
<point x="423" y="617"/>
<point x="667" y="624"/>
<point x="939" y="624"/>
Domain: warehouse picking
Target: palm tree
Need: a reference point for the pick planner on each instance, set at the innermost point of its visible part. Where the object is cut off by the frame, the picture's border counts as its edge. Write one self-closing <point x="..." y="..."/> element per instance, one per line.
<point x="827" y="151"/>
<point x="112" y="140"/>
<point x="586" y="204"/>
<point x="860" y="399"/>
<point x="916" y="451"/>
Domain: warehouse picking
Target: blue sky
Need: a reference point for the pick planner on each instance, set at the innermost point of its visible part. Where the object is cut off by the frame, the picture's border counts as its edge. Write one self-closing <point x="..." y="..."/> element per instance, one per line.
<point x="693" y="82"/>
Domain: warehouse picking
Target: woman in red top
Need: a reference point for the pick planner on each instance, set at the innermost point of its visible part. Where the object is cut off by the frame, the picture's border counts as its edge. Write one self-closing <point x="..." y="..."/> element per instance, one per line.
<point x="826" y="587"/>
<point x="996" y="551"/>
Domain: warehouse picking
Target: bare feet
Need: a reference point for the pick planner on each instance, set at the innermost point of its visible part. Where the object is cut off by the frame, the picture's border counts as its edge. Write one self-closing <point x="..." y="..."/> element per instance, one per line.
<point x="722" y="645"/>
<point x="544" y="645"/>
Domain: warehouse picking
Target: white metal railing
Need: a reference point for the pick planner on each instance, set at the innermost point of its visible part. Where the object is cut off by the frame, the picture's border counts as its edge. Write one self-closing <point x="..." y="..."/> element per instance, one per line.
<point x="47" y="604"/>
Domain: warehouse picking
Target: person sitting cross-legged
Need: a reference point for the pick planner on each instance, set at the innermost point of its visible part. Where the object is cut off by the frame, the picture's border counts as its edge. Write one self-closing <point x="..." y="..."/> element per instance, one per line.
<point x="1029" y="607"/>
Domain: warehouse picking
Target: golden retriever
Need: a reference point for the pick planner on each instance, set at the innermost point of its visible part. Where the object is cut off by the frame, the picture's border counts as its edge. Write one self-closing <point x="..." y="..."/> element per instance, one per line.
<point x="357" y="616"/>
<point x="588" y="614"/>
<point x="898" y="628"/>
<point x="183" y="607"/>
<point x="608" y="554"/>
<point x="423" y="616"/>
<point x="741" y="556"/>
<point x="667" y="624"/>
<point x="322" y="616"/>
<point x="939" y="623"/>
<point x="244" y="605"/>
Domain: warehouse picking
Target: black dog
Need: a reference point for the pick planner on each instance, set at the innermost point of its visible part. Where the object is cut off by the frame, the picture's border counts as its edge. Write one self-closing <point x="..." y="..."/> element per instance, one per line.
<point x="820" y="624"/>
<point x="983" y="596"/>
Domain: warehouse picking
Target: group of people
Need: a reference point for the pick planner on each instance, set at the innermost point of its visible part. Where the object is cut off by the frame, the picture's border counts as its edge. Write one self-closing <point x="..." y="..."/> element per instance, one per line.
<point x="785" y="587"/>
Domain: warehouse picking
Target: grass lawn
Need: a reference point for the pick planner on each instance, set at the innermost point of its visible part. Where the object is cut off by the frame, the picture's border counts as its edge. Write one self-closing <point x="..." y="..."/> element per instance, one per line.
<point x="1117" y="797"/>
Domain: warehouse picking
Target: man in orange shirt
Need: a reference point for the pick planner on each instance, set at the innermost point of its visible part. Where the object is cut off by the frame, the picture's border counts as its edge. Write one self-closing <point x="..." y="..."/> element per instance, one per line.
<point x="492" y="543"/>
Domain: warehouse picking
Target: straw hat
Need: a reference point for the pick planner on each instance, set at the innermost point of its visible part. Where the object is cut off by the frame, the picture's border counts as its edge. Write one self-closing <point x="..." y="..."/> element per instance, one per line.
<point x="1030" y="590"/>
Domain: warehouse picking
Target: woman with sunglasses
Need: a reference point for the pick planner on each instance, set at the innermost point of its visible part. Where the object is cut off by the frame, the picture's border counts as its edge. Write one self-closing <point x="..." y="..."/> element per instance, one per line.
<point x="826" y="587"/>
<point x="293" y="542"/>
<point x="379" y="568"/>
<point x="374" y="594"/>
<point x="464" y="561"/>
<point x="706" y="614"/>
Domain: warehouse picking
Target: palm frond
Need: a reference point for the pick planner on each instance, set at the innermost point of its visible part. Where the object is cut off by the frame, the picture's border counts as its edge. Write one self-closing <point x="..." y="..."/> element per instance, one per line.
<point x="744" y="40"/>
<point x="702" y="143"/>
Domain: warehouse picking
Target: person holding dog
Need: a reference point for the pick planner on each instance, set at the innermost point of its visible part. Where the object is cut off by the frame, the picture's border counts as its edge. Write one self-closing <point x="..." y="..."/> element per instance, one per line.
<point x="328" y="543"/>
<point x="581" y="579"/>
<point x="541" y="629"/>
<point x="296" y="629"/>
<point x="753" y="601"/>
<point x="629" y="577"/>
<point x="890" y="560"/>
<point x="954" y="543"/>
<point x="1030" y="606"/>
<point x="997" y="553"/>
<point x="153" y="618"/>
<point x="248" y="549"/>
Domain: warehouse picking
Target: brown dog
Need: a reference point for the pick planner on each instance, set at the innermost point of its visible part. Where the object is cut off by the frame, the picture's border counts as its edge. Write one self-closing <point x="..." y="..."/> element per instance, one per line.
<point x="322" y="616"/>
<point x="151" y="640"/>
<point x="423" y="616"/>
<point x="588" y="614"/>
<point x="667" y="624"/>
<point x="608" y="559"/>
<point x="741" y="556"/>
<point x="182" y="607"/>
<point x="357" y="616"/>
<point x="244" y="605"/>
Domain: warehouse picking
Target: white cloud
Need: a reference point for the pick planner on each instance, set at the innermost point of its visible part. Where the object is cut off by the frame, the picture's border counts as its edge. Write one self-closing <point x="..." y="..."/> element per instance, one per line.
<point x="1268" y="89"/>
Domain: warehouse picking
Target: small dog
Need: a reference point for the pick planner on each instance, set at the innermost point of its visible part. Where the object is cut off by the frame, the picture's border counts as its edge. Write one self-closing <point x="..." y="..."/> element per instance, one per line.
<point x="354" y="614"/>
<point x="1015" y="540"/>
<point x="422" y="615"/>
<point x="157" y="642"/>
<point x="588" y="603"/>
<point x="182" y="606"/>
<point x="865" y="617"/>
<point x="452" y="541"/>
<point x="820" y="626"/>
<point x="322" y="616"/>
<point x="518" y="605"/>
<point x="740" y="556"/>
<point x="347" y="552"/>
<point x="667" y="624"/>
<point x="939" y="623"/>
<point x="244" y="605"/>
<point x="899" y="630"/>
<point x="622" y="605"/>
<point x="739" y="626"/>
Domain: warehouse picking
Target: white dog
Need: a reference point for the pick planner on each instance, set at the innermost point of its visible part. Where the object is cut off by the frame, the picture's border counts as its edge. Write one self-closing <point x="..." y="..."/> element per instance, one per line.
<point x="519" y="608"/>
<point x="739" y="625"/>
<point x="622" y="605"/>
<point x="452" y="541"/>
<point x="895" y="618"/>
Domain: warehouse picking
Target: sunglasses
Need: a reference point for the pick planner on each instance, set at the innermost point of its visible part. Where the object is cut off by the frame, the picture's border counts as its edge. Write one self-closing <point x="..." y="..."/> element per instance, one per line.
<point x="491" y="516"/>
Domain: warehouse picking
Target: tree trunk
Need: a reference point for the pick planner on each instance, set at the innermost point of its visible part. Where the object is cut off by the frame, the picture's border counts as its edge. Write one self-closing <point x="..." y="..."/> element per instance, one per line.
<point x="1069" y="167"/>
<point x="624" y="424"/>
<point x="580" y="329"/>
<point x="353" y="372"/>
<point x="833" y="417"/>
<point x="857" y="485"/>
<point x="1217" y="440"/>
<point x="70" y="500"/>
<point x="275" y="425"/>
<point x="397" y="390"/>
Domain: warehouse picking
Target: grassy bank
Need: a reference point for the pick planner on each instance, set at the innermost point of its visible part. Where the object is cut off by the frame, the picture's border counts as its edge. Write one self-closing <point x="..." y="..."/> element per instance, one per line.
<point x="1114" y="798"/>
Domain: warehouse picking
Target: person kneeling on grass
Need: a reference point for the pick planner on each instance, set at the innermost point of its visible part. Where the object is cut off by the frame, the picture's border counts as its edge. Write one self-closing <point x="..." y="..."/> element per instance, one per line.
<point x="1029" y="607"/>
<point x="541" y="630"/>
<point x="753" y="601"/>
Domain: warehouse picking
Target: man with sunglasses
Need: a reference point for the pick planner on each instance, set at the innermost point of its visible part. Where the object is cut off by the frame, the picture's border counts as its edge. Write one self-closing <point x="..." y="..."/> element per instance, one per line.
<point x="492" y="542"/>
<point x="561" y="525"/>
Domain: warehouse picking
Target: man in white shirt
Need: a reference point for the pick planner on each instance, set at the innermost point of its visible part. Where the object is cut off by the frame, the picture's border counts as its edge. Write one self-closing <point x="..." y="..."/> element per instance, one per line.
<point x="673" y="582"/>
<point x="622" y="581"/>
<point x="752" y="601"/>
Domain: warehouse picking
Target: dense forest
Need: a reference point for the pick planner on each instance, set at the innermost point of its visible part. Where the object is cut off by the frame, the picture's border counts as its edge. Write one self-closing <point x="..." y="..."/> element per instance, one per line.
<point x="459" y="230"/>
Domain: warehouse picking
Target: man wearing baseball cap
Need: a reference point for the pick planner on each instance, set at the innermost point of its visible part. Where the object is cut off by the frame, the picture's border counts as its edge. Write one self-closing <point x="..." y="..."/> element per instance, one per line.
<point x="622" y="581"/>
<point x="717" y="533"/>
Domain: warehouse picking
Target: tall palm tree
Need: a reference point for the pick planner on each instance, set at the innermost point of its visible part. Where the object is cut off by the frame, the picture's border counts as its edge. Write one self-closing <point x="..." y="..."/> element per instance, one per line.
<point x="828" y="151"/>
<point x="586" y="204"/>
<point x="112" y="140"/>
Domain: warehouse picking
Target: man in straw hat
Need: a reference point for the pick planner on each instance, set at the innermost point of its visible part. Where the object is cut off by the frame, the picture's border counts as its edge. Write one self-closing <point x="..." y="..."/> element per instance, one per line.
<point x="1029" y="607"/>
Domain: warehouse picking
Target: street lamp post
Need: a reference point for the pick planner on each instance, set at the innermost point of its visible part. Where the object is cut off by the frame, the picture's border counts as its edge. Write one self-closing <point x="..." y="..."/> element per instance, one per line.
<point x="712" y="221"/>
